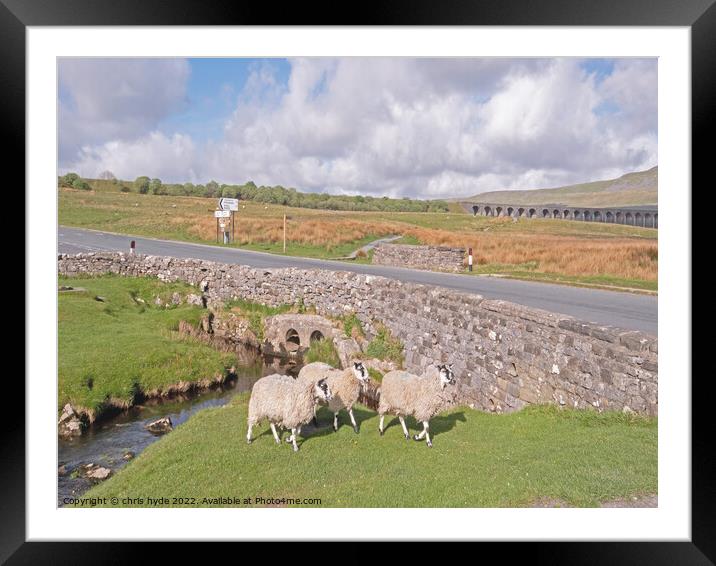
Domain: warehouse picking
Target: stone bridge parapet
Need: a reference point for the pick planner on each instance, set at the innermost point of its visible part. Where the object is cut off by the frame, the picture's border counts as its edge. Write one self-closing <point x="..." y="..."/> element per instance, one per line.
<point x="505" y="355"/>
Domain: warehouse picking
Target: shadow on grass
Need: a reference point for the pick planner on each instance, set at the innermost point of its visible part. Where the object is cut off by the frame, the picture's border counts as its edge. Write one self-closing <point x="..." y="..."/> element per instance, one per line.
<point x="438" y="425"/>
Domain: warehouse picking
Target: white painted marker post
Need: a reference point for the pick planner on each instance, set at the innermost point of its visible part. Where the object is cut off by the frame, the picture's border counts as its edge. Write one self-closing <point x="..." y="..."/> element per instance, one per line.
<point x="469" y="259"/>
<point x="132" y="245"/>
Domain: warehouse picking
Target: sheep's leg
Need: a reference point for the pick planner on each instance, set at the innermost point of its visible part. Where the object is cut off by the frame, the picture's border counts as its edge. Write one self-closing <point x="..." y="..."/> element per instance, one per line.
<point x="335" y="421"/>
<point x="424" y="433"/>
<point x="353" y="420"/>
<point x="293" y="440"/>
<point x="275" y="434"/>
<point x="405" y="428"/>
<point x="248" y="435"/>
<point x="380" y="426"/>
<point x="315" y="416"/>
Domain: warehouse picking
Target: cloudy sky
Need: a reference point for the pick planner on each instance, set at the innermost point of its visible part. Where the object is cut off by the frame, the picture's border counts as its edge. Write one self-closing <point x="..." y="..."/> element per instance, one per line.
<point x="383" y="126"/>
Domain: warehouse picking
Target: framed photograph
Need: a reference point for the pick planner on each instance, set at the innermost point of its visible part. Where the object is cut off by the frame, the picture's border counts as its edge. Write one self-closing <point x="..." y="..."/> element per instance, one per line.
<point x="391" y="279"/>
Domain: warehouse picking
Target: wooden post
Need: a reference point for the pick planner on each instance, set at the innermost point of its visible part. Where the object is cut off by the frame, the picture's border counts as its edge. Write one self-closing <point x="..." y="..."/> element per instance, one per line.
<point x="284" y="233"/>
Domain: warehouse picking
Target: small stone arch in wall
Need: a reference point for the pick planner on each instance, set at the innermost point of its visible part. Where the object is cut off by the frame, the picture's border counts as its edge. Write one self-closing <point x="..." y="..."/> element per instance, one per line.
<point x="520" y="212"/>
<point x="587" y="215"/>
<point x="293" y="340"/>
<point x="597" y="216"/>
<point x="576" y="214"/>
<point x="510" y="211"/>
<point x="638" y="219"/>
<point x="565" y="213"/>
<point x="619" y="217"/>
<point x="532" y="212"/>
<point x="475" y="210"/>
<point x="555" y="213"/>
<point x="488" y="211"/>
<point x="545" y="213"/>
<point x="499" y="211"/>
<point x="316" y="336"/>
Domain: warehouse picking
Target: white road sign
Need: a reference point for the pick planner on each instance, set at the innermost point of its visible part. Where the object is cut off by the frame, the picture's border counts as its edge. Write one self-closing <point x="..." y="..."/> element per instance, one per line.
<point x="229" y="204"/>
<point x="222" y="213"/>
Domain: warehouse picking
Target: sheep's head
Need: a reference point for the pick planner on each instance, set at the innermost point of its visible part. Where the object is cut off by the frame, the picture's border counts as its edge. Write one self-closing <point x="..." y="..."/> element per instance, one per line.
<point x="360" y="371"/>
<point x="322" y="391"/>
<point x="447" y="377"/>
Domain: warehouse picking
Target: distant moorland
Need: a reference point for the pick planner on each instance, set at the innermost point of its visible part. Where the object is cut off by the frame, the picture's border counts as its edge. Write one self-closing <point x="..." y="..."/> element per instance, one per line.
<point x="632" y="189"/>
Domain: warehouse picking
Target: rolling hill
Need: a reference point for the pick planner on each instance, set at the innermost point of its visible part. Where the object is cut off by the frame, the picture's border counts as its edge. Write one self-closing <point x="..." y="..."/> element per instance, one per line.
<point x="632" y="189"/>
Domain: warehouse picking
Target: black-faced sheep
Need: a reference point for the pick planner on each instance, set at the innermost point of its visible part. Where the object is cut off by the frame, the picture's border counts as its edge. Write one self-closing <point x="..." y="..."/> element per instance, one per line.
<point x="286" y="402"/>
<point x="345" y="386"/>
<point x="404" y="394"/>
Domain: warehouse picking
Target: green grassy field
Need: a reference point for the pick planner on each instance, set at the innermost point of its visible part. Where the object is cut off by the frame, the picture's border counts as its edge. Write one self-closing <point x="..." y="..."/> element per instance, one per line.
<point x="580" y="458"/>
<point x="109" y="350"/>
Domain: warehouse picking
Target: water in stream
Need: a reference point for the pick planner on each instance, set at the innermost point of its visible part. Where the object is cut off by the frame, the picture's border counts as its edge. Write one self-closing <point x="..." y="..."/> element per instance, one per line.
<point x="107" y="442"/>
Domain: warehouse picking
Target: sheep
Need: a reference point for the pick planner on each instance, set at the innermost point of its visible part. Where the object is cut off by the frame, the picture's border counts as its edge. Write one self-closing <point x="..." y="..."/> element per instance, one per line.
<point x="404" y="394"/>
<point x="312" y="373"/>
<point x="286" y="402"/>
<point x="345" y="386"/>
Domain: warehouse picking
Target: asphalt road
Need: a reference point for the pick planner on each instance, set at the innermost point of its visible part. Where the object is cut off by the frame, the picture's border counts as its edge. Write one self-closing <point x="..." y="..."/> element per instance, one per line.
<point x="624" y="310"/>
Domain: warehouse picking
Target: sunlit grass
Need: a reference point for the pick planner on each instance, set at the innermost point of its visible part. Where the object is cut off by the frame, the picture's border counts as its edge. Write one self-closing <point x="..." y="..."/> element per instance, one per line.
<point x="478" y="460"/>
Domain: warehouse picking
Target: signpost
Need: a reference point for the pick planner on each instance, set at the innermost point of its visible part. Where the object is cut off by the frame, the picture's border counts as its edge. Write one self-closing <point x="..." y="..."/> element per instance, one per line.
<point x="229" y="204"/>
<point x="226" y="209"/>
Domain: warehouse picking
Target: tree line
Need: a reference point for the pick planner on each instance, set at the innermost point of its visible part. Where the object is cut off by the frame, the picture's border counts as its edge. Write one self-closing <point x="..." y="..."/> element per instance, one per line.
<point x="249" y="191"/>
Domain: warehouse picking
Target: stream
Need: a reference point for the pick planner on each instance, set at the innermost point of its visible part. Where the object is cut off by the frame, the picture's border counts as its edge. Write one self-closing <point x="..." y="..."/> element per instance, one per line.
<point x="107" y="442"/>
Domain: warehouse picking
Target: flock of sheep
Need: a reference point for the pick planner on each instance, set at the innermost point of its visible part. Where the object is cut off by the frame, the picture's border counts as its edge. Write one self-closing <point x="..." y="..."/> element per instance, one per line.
<point x="291" y="403"/>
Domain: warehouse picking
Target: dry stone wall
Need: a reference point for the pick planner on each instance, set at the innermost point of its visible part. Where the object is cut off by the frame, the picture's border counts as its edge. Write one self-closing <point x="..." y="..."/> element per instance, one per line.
<point x="420" y="257"/>
<point x="505" y="355"/>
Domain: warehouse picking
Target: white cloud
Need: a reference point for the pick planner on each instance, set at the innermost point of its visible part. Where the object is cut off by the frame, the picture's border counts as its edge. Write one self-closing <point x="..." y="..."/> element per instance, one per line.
<point x="155" y="155"/>
<point x="116" y="99"/>
<point x="417" y="127"/>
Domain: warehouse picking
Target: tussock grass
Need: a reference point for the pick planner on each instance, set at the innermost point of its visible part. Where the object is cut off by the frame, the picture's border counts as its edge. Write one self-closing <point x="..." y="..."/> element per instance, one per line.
<point x="322" y="351"/>
<point x="478" y="460"/>
<point x="385" y="347"/>
<point x="256" y="313"/>
<point x="504" y="252"/>
<point x="352" y="326"/>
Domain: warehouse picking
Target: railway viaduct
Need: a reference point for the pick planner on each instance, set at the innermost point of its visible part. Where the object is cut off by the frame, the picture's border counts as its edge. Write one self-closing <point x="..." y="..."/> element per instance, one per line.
<point x="645" y="216"/>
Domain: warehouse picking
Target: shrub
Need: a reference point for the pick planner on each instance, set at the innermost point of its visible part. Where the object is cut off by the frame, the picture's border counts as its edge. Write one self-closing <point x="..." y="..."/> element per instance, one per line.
<point x="141" y="185"/>
<point x="67" y="180"/>
<point x="80" y="185"/>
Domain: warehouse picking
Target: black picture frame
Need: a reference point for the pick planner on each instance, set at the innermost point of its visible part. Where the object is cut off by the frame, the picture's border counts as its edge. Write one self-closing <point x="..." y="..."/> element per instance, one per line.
<point x="699" y="15"/>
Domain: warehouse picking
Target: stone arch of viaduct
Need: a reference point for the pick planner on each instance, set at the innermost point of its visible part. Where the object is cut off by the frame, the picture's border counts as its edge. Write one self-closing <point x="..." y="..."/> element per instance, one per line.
<point x="645" y="216"/>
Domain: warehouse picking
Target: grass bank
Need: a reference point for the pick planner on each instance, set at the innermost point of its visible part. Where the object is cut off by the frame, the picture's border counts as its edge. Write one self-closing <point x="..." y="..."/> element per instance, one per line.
<point x="112" y="348"/>
<point x="478" y="460"/>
